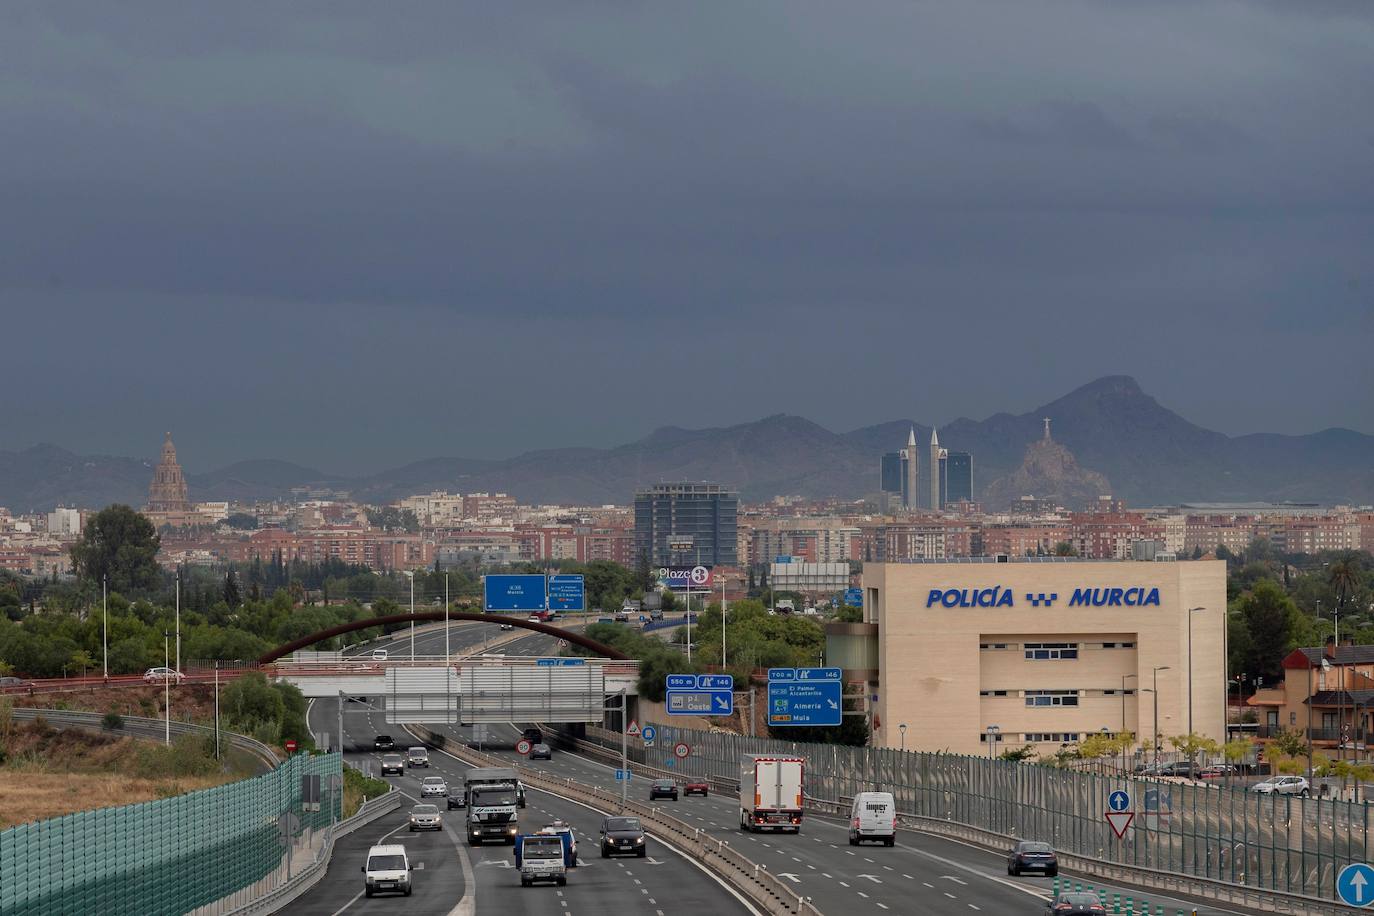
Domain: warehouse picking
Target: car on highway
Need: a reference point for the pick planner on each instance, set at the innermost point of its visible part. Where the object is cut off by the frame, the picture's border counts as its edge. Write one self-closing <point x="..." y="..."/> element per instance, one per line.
<point x="1075" y="903"/>
<point x="387" y="869"/>
<point x="1283" y="785"/>
<point x="383" y="743"/>
<point x="1218" y="771"/>
<point x="508" y="626"/>
<point x="1180" y="768"/>
<point x="417" y="757"/>
<point x="433" y="785"/>
<point x="162" y="675"/>
<point x="621" y="835"/>
<point x="541" y="751"/>
<point x="563" y="828"/>
<point x="534" y="618"/>
<point x="425" y="817"/>
<point x="12" y="682"/>
<point x="379" y="655"/>
<point x="696" y="786"/>
<point x="533" y="735"/>
<point x="1030" y="855"/>
<point x="656" y="614"/>
<point x="662" y="788"/>
<point x="622" y="617"/>
<point x="393" y="765"/>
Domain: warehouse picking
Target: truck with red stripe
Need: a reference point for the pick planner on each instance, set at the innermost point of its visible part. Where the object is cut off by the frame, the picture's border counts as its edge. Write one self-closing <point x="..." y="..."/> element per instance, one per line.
<point x="770" y="792"/>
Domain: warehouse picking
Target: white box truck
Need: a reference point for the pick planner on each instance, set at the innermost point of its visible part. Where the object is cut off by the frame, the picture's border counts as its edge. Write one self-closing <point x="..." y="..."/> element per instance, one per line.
<point x="770" y="792"/>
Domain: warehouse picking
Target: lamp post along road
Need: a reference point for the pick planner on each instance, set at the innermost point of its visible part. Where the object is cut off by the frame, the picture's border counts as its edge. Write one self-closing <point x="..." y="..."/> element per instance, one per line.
<point x="902" y="728"/>
<point x="105" y="624"/>
<point x="178" y="669"/>
<point x="166" y="690"/>
<point x="1154" y="735"/>
<point x="1124" y="678"/>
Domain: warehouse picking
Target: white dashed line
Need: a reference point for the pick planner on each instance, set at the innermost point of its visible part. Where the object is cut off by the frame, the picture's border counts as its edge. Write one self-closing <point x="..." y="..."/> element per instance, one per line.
<point x="844" y="884"/>
<point x="974" y="906"/>
<point x="863" y="895"/>
<point x="949" y="895"/>
<point x="908" y="877"/>
<point x="883" y="905"/>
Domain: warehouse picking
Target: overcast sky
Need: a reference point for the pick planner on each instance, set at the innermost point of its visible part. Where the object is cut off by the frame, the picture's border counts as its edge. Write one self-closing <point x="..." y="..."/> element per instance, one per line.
<point x="357" y="234"/>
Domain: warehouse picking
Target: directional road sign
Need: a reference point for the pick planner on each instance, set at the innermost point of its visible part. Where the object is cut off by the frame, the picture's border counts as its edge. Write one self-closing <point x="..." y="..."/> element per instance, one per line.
<point x="513" y="593"/>
<point x="854" y="597"/>
<point x="804" y="696"/>
<point x="1355" y="884"/>
<point x="560" y="662"/>
<point x="701" y="694"/>
<point x="567" y="593"/>
<point x="1120" y="800"/>
<point x="623" y="775"/>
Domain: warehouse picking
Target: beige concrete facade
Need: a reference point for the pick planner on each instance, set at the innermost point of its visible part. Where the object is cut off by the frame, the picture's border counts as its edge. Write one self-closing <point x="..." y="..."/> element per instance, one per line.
<point x="1049" y="673"/>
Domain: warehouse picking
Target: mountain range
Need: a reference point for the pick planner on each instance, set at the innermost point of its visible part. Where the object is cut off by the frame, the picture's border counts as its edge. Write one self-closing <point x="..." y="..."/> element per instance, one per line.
<point x="1150" y="454"/>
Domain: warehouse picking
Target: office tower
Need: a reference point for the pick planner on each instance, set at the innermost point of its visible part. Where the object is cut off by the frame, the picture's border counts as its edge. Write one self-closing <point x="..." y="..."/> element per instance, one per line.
<point x="686" y="524"/>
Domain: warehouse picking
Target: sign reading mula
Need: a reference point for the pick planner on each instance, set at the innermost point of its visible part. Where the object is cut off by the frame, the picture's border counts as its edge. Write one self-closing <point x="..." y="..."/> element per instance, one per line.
<point x="997" y="596"/>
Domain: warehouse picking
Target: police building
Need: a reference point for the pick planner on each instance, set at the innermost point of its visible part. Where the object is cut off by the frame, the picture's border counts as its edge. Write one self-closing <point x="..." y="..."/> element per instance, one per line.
<point x="987" y="654"/>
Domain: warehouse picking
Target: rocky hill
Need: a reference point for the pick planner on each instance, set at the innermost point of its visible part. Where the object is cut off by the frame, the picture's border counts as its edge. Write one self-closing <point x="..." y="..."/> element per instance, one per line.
<point x="1048" y="471"/>
<point x="1149" y="453"/>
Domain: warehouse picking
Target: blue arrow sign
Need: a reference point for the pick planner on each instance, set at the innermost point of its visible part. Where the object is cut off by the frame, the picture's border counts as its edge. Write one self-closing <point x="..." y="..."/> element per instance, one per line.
<point x="700" y="702"/>
<point x="811" y="702"/>
<point x="1355" y="884"/>
<point x="1120" y="800"/>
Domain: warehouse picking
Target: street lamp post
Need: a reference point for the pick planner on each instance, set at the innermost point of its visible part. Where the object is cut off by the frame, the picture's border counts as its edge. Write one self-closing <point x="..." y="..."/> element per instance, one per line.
<point x="1154" y="734"/>
<point x="1124" y="678"/>
<point x="1191" y="612"/>
<point x="446" y="649"/>
<point x="166" y="690"/>
<point x="993" y="732"/>
<point x="902" y="728"/>
<point x="178" y="669"/>
<point x="105" y="623"/>
<point x="411" y="573"/>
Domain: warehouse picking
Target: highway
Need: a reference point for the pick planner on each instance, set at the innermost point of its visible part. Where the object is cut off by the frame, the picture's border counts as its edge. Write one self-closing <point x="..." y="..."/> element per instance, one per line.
<point x="923" y="873"/>
<point x="461" y="879"/>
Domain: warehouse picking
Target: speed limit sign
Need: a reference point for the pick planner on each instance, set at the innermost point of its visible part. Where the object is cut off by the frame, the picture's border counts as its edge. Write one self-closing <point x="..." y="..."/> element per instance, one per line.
<point x="522" y="746"/>
<point x="681" y="750"/>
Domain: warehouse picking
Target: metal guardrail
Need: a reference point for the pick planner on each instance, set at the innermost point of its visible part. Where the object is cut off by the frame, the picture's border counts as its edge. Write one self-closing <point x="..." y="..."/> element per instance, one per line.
<point x="1267" y="900"/>
<point x="143" y="727"/>
<point x="279" y="898"/>
<point x="743" y="874"/>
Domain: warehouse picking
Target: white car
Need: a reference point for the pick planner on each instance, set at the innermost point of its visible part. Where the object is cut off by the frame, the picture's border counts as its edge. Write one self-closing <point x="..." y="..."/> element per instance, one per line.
<point x="433" y="785"/>
<point x="1283" y="785"/>
<point x="425" y="817"/>
<point x="508" y="626"/>
<point x="159" y="675"/>
<point x="379" y="655"/>
<point x="387" y="869"/>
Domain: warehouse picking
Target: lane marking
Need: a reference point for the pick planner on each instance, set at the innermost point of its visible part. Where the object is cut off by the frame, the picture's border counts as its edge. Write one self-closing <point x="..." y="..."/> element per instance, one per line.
<point x="863" y="895"/>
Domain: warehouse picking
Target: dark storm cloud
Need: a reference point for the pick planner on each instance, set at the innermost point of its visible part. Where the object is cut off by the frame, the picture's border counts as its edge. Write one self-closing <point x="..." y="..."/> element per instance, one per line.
<point x="493" y="229"/>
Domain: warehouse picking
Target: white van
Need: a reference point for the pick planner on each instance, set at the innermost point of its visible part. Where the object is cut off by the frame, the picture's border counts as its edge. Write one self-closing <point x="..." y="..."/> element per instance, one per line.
<point x="379" y="655"/>
<point x="387" y="869"/>
<point x="873" y="817"/>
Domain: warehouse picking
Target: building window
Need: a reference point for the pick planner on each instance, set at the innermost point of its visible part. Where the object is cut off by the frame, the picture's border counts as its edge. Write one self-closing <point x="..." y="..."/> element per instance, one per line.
<point x="1044" y="737"/>
<point x="992" y="645"/>
<point x="1051" y="697"/>
<point x="1040" y="651"/>
<point x="992" y="693"/>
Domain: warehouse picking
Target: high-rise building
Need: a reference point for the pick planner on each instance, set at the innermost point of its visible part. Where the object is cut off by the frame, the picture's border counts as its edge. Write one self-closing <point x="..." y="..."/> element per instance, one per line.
<point x="901" y="472"/>
<point x="893" y="473"/>
<point x="167" y="492"/>
<point x="687" y="523"/>
<point x="958" y="477"/>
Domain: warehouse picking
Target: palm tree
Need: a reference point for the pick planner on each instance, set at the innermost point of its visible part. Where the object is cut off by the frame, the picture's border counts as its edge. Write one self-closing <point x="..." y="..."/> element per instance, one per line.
<point x="1344" y="576"/>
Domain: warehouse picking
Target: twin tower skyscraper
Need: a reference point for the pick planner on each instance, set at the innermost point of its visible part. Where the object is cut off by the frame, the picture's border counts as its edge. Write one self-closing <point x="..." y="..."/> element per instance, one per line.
<point x="945" y="477"/>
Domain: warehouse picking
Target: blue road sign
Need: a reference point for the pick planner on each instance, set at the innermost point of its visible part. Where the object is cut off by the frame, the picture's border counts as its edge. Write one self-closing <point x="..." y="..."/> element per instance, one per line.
<point x="782" y="674"/>
<point x="670" y="762"/>
<point x="623" y="775"/>
<point x="560" y="662"/>
<point x="701" y="702"/>
<point x="513" y="593"/>
<point x="567" y="593"/>
<point x="682" y="681"/>
<point x="648" y="733"/>
<point x="1120" y="800"/>
<point x="854" y="597"/>
<point x="1355" y="884"/>
<point x="715" y="682"/>
<point x="808" y="702"/>
<point x="818" y="674"/>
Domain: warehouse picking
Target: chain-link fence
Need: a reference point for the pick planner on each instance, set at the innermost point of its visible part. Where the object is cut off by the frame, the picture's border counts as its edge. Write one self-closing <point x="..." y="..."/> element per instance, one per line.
<point x="168" y="856"/>
<point x="1276" y="842"/>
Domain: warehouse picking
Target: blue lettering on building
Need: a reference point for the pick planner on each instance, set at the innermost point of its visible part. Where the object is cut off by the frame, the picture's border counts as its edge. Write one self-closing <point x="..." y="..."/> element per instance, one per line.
<point x="997" y="596"/>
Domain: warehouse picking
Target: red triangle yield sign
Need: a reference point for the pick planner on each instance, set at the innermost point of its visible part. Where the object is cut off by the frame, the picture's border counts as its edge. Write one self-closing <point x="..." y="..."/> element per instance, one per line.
<point x="1119" y="821"/>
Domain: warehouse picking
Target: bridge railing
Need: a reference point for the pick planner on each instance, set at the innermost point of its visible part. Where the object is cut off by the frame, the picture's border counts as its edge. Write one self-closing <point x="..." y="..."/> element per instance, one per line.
<point x="368" y="666"/>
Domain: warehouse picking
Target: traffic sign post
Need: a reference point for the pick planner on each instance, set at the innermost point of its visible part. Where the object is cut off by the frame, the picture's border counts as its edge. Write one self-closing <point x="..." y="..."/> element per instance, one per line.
<point x="522" y="747"/>
<point x="805" y="696"/>
<point x="1120" y="800"/>
<point x="1119" y="814"/>
<point x="567" y="593"/>
<point x="681" y="750"/>
<point x="623" y="775"/>
<point x="290" y="745"/>
<point x="633" y="729"/>
<point x="701" y="694"/>
<point x="1355" y="884"/>
<point x="648" y="733"/>
<point x="514" y="593"/>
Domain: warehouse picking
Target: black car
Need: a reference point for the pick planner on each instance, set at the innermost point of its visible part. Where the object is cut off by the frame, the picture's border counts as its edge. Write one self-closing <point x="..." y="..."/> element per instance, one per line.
<point x="533" y="735"/>
<point x="662" y="788"/>
<point x="1181" y="768"/>
<point x="621" y="835"/>
<point x="1028" y="855"/>
<point x="383" y="743"/>
<point x="393" y="765"/>
<point x="457" y="801"/>
<point x="1076" y="904"/>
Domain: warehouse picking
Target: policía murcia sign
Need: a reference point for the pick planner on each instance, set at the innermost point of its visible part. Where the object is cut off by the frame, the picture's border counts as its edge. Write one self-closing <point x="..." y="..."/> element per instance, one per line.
<point x="998" y="596"/>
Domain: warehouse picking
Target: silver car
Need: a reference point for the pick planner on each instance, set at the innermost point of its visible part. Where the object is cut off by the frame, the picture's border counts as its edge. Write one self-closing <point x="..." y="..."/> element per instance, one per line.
<point x="1283" y="785"/>
<point x="425" y="817"/>
<point x="433" y="785"/>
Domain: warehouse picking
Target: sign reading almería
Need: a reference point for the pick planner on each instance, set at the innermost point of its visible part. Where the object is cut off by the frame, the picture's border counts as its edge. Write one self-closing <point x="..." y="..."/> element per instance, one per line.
<point x="997" y="596"/>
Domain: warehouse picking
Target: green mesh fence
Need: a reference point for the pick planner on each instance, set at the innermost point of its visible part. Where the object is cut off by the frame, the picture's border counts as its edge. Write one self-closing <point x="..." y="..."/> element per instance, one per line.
<point x="166" y="856"/>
